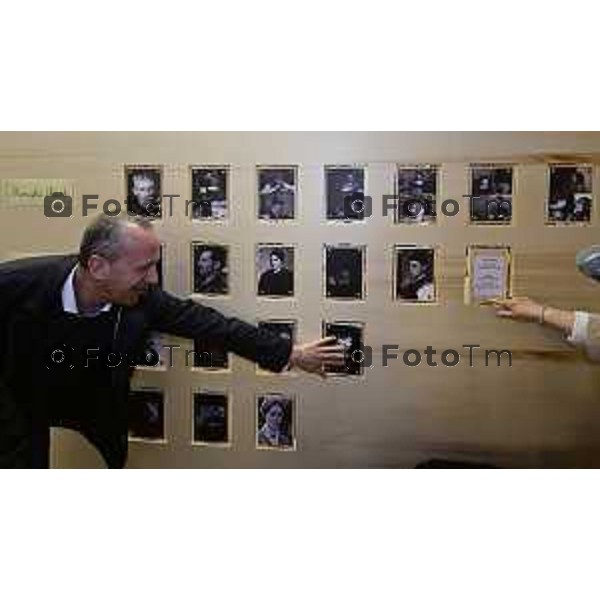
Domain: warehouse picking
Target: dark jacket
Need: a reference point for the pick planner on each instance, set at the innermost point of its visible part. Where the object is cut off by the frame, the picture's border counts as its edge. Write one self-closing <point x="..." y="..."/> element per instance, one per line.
<point x="30" y="297"/>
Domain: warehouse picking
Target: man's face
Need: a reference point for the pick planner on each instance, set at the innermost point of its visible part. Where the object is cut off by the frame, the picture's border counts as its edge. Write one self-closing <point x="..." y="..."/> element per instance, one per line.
<point x="143" y="189"/>
<point x="276" y="262"/>
<point x="125" y="280"/>
<point x="414" y="267"/>
<point x="206" y="264"/>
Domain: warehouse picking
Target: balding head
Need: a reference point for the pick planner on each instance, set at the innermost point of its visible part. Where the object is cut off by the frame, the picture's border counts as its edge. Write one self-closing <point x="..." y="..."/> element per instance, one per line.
<point x="119" y="257"/>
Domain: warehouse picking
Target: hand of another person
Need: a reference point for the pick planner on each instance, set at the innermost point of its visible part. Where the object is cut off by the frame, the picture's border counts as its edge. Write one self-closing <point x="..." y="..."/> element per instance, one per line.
<point x="519" y="309"/>
<point x="314" y="357"/>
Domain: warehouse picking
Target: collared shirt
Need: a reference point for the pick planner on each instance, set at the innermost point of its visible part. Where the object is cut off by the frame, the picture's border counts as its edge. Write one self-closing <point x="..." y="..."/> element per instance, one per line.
<point x="69" y="301"/>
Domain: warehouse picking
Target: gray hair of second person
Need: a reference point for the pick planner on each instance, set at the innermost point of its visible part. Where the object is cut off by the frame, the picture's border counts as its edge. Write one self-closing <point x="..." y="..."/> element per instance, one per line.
<point x="104" y="237"/>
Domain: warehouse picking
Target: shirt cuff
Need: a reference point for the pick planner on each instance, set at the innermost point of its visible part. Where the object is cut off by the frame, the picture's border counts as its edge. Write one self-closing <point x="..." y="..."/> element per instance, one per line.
<point x="579" y="334"/>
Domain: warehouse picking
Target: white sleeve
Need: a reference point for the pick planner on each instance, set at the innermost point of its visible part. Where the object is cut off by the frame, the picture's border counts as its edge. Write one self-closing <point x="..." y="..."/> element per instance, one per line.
<point x="579" y="334"/>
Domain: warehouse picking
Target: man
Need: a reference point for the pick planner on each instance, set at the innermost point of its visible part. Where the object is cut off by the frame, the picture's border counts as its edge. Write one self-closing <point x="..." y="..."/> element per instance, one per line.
<point x="210" y="278"/>
<point x="580" y="328"/>
<point x="278" y="280"/>
<point x="142" y="198"/>
<point x="65" y="321"/>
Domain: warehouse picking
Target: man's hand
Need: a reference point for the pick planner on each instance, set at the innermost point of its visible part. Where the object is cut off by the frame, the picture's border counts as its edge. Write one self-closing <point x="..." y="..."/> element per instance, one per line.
<point x="520" y="309"/>
<point x="316" y="356"/>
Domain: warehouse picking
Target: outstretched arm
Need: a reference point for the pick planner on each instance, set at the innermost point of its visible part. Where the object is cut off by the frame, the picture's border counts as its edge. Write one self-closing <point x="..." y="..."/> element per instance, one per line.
<point x="525" y="309"/>
<point x="188" y="319"/>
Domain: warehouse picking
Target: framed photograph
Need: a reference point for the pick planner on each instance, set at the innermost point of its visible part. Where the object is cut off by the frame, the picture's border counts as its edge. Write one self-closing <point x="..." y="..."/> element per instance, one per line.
<point x="570" y="196"/>
<point x="210" y="263"/>
<point x="144" y="191"/>
<point x="276" y="193"/>
<point x="414" y="274"/>
<point x="489" y="273"/>
<point x="146" y="414"/>
<point x="211" y="419"/>
<point x="344" y="193"/>
<point x="285" y="328"/>
<point x="344" y="271"/>
<point x="416" y="191"/>
<point x="275" y="270"/>
<point x="350" y="335"/>
<point x="208" y="356"/>
<point x="210" y="189"/>
<point x="275" y="422"/>
<point x="491" y="194"/>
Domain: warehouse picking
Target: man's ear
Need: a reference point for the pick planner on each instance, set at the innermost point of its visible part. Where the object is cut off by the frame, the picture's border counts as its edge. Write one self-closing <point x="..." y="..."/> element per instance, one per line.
<point x="99" y="267"/>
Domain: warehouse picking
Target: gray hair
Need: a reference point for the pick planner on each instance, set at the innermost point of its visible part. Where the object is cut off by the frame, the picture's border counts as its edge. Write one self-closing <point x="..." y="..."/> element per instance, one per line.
<point x="104" y="236"/>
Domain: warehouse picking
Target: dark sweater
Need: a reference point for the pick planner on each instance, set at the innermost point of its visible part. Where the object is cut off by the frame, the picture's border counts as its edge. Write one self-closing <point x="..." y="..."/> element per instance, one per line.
<point x="94" y="401"/>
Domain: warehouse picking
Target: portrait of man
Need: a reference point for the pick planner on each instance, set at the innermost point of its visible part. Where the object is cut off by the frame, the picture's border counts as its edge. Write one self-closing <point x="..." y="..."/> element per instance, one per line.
<point x="344" y="272"/>
<point x="211" y="418"/>
<point x="144" y="191"/>
<point x="415" y="281"/>
<point x="275" y="269"/>
<point x="571" y="197"/>
<point x="146" y="415"/>
<point x="343" y="185"/>
<point x="209" y="193"/>
<point x="276" y="193"/>
<point x="275" y="422"/>
<point x="417" y="195"/>
<point x="210" y="269"/>
<point x="491" y="194"/>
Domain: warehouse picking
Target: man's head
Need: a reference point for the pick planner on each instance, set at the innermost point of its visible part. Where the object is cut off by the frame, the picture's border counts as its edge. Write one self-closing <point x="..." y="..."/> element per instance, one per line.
<point x="208" y="263"/>
<point x="277" y="259"/>
<point x="144" y="189"/>
<point x="119" y="258"/>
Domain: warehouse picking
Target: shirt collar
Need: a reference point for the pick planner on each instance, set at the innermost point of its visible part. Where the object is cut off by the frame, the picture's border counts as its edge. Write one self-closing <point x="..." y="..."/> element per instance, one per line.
<point x="69" y="301"/>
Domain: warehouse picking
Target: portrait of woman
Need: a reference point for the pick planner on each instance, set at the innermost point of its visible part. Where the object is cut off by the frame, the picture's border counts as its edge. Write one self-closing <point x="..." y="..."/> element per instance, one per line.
<point x="275" y="422"/>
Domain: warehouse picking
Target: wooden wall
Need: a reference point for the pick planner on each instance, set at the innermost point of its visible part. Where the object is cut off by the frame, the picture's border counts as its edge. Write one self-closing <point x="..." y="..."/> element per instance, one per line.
<point x="543" y="411"/>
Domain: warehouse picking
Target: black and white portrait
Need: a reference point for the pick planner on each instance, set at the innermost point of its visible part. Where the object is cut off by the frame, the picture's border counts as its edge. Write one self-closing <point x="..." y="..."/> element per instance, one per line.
<point x="144" y="191"/>
<point x="207" y="355"/>
<point x="210" y="269"/>
<point x="275" y="269"/>
<point x="281" y="327"/>
<point x="211" y="418"/>
<point x="570" y="198"/>
<point x="276" y="193"/>
<point x="345" y="192"/>
<point x="415" y="274"/>
<point x="275" y="422"/>
<point x="146" y="415"/>
<point x="350" y="336"/>
<point x="344" y="267"/>
<point x="491" y="194"/>
<point x="416" y="189"/>
<point x="209" y="193"/>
